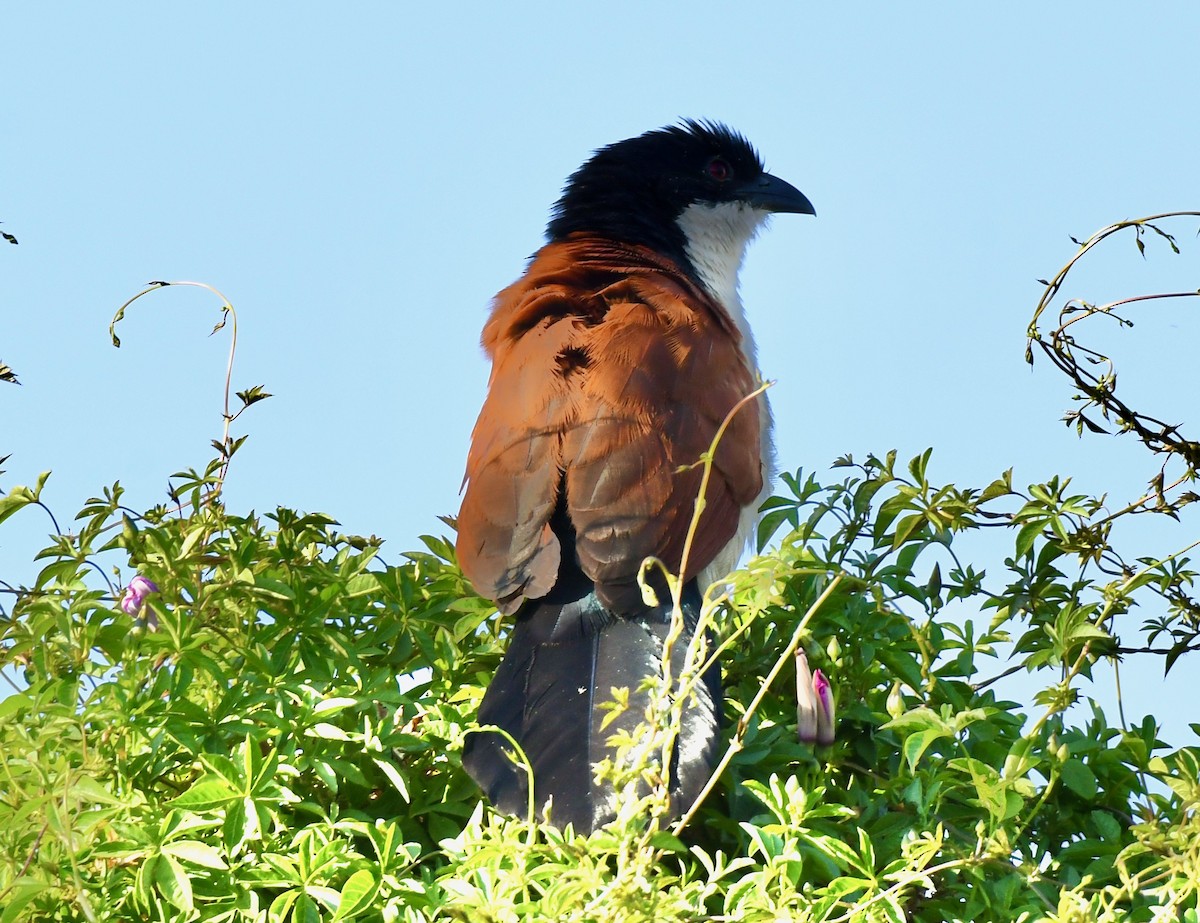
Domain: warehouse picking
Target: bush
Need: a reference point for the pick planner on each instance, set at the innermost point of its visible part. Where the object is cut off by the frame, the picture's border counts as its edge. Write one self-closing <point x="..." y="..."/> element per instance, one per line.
<point x="278" y="730"/>
<point x="274" y="733"/>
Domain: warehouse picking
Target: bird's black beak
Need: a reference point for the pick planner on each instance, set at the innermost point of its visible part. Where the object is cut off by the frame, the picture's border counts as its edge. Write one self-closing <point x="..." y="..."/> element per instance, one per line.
<point x="772" y="194"/>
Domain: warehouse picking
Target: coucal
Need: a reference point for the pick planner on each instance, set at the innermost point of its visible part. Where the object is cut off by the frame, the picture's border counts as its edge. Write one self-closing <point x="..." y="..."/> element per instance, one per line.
<point x="615" y="359"/>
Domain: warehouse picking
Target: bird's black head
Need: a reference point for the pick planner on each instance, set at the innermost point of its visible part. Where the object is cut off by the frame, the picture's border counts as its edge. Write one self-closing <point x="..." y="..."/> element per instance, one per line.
<point x="636" y="190"/>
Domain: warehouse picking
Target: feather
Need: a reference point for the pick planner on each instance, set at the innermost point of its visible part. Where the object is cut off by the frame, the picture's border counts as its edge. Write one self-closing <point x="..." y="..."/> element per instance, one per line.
<point x="612" y="372"/>
<point x="563" y="661"/>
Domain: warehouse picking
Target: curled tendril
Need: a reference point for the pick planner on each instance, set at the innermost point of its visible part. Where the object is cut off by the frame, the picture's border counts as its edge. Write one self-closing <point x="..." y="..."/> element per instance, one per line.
<point x="1094" y="375"/>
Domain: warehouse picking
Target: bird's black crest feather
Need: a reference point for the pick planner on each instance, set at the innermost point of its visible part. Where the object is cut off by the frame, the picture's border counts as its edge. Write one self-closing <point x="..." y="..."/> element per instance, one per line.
<point x="633" y="190"/>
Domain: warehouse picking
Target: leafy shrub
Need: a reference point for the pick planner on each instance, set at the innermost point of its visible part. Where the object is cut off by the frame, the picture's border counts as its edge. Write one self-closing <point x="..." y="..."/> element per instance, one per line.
<point x="275" y="733"/>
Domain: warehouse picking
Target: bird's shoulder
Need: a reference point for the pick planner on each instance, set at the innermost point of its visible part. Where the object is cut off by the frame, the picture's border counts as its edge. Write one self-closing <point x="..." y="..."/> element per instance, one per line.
<point x="594" y="281"/>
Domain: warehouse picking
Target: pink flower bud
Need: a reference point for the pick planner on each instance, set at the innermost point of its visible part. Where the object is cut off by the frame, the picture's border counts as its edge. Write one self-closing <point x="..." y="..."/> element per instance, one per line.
<point x="816" y="711"/>
<point x="826" y="709"/>
<point x="806" y="700"/>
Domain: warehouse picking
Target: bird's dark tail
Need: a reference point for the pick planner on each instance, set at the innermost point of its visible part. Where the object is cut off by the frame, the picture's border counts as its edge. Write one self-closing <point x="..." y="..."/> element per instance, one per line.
<point x="564" y="659"/>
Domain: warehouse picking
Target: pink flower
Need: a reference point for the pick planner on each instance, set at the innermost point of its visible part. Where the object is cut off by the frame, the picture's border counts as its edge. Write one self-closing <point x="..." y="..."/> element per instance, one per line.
<point x="816" y="711"/>
<point x="143" y="586"/>
<point x="135" y="594"/>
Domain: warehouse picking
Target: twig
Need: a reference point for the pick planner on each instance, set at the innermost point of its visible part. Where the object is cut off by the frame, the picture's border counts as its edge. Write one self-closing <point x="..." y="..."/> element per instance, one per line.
<point x="229" y="311"/>
<point x="740" y="731"/>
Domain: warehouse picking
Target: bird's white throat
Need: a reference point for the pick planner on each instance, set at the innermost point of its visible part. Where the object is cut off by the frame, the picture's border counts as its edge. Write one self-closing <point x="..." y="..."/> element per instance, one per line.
<point x="716" y="236"/>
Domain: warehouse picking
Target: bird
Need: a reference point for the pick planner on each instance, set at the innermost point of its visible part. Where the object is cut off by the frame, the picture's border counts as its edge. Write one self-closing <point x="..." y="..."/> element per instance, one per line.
<point x="616" y="357"/>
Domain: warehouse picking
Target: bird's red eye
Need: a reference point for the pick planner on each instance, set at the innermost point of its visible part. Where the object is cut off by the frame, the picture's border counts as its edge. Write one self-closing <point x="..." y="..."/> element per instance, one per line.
<point x="719" y="169"/>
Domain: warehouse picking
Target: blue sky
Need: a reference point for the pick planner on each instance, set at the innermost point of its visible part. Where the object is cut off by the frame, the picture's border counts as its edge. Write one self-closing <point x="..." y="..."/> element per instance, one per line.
<point x="361" y="182"/>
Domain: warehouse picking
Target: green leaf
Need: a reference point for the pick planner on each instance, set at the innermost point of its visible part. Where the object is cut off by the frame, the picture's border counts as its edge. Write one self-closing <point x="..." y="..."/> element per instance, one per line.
<point x="1106" y="825"/>
<point x="282" y="904"/>
<point x="906" y="527"/>
<point x="1079" y="779"/>
<point x="193" y="538"/>
<point x="253" y="395"/>
<point x="357" y="894"/>
<point x="841" y="853"/>
<point x="326" y="731"/>
<point x="394" y="777"/>
<point x="145" y="879"/>
<point x="919" y="465"/>
<point x="223" y="769"/>
<point x="866" y="493"/>
<point x="917" y="719"/>
<point x="89" y="789"/>
<point x="335" y="703"/>
<point x="197" y="853"/>
<point x="988" y="788"/>
<point x="1019" y="760"/>
<point x="362" y="585"/>
<point x="241" y="824"/>
<point x="327" y="896"/>
<point x="902" y="665"/>
<point x="866" y="850"/>
<point x="1000" y="487"/>
<point x="17" y="895"/>
<point x="208" y="794"/>
<point x="1178" y="649"/>
<point x="17" y="702"/>
<point x="916" y="745"/>
<point x="770" y="522"/>
<point x="1027" y="536"/>
<point x="274" y="589"/>
<point x="667" y="842"/>
<point x="326" y="773"/>
<point x="20" y="497"/>
<point x="173" y="883"/>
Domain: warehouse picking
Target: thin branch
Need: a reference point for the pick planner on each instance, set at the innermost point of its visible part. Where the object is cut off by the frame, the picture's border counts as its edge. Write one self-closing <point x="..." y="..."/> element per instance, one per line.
<point x="743" y="723"/>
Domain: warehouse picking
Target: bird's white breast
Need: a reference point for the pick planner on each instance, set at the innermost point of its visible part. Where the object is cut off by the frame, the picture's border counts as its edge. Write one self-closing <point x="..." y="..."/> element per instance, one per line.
<point x="716" y="238"/>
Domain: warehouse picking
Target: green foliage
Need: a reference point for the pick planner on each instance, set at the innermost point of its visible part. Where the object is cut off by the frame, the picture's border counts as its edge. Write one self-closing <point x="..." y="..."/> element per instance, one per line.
<point x="276" y="735"/>
<point x="273" y="733"/>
